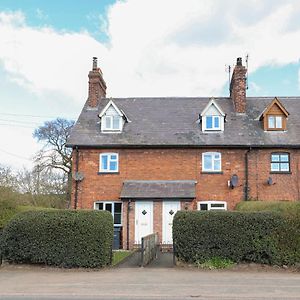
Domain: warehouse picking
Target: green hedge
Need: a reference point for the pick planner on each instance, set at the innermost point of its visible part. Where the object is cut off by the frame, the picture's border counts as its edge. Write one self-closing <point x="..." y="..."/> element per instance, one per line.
<point x="262" y="237"/>
<point x="60" y="237"/>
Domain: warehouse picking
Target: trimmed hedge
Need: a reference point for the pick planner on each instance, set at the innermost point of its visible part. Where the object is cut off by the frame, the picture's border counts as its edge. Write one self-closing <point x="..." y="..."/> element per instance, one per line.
<point x="62" y="238"/>
<point x="262" y="237"/>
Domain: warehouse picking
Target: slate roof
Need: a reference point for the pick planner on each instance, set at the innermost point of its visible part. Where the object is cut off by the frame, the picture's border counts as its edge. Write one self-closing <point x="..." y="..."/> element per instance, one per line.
<point x="158" y="189"/>
<point x="172" y="122"/>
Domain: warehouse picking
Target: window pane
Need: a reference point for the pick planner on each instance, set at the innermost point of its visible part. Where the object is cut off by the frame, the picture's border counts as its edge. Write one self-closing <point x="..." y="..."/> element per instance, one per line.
<point x="275" y="157"/>
<point x="104" y="160"/>
<point x="113" y="157"/>
<point x="99" y="206"/>
<point x="274" y="166"/>
<point x="284" y="167"/>
<point x="117" y="218"/>
<point x="209" y="122"/>
<point x="118" y="207"/>
<point x="278" y="122"/>
<point x="216" y="122"/>
<point x="108" y="207"/>
<point x="217" y="165"/>
<point x="113" y="166"/>
<point x="271" y="122"/>
<point x="207" y="162"/>
<point x="220" y="205"/>
<point x="284" y="157"/>
<point x="203" y="206"/>
<point x="108" y="122"/>
<point x="116" y="122"/>
<point x="217" y="156"/>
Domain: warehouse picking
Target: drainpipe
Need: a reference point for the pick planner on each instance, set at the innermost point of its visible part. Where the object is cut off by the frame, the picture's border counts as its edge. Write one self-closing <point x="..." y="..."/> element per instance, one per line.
<point x="76" y="181"/>
<point x="128" y="210"/>
<point x="247" y="174"/>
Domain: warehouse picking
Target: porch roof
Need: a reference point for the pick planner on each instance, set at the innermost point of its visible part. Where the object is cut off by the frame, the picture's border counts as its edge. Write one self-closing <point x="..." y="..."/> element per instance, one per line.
<point x="158" y="189"/>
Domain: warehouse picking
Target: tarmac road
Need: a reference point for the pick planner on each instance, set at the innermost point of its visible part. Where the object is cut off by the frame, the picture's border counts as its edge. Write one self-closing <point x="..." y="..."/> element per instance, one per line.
<point x="146" y="283"/>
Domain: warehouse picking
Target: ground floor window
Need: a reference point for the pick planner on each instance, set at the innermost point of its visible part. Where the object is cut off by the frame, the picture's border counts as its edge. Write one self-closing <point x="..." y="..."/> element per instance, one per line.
<point x="212" y="205"/>
<point x="114" y="207"/>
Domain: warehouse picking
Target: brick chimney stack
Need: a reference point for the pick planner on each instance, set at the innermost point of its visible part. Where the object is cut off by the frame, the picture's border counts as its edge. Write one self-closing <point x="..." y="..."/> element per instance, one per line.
<point x="238" y="87"/>
<point x="97" y="85"/>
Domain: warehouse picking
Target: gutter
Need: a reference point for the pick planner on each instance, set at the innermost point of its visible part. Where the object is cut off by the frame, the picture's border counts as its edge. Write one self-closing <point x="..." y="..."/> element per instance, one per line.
<point x="246" y="198"/>
<point x="76" y="181"/>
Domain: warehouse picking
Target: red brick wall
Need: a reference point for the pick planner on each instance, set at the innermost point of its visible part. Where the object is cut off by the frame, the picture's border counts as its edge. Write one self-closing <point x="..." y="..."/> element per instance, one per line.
<point x="184" y="164"/>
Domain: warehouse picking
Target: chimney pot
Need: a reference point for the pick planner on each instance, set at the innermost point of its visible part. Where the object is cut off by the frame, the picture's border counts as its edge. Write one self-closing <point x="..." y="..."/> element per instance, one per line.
<point x="239" y="61"/>
<point x="94" y="63"/>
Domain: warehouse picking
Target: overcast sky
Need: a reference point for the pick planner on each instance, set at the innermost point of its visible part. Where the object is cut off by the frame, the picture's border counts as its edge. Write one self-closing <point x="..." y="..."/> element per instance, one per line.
<point x="145" y="48"/>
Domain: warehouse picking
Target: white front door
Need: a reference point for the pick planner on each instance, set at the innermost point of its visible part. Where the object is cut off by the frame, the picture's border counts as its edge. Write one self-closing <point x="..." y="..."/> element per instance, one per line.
<point x="169" y="210"/>
<point x="143" y="219"/>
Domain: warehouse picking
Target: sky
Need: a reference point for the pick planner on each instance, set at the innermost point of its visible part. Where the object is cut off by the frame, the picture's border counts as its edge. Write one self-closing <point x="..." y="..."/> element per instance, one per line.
<point x="144" y="48"/>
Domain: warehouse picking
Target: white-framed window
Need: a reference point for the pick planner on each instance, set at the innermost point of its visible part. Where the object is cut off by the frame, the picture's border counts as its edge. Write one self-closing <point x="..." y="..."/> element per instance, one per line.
<point x="113" y="123"/>
<point x="114" y="207"/>
<point x="109" y="162"/>
<point x="280" y="162"/>
<point x="211" y="162"/>
<point x="275" y="122"/>
<point x="212" y="205"/>
<point x="212" y="123"/>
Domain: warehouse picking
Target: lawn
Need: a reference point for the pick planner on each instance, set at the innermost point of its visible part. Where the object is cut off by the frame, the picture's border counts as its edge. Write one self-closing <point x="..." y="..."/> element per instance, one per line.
<point x="120" y="255"/>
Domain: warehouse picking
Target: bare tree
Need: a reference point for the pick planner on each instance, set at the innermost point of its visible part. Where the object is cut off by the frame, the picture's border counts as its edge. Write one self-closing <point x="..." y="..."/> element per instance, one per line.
<point x="54" y="154"/>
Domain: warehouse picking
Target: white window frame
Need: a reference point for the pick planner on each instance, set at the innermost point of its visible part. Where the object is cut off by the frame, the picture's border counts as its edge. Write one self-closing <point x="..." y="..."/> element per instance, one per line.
<point x="111" y="117"/>
<point x="112" y="209"/>
<point x="101" y="169"/>
<point x="276" y="119"/>
<point x="210" y="203"/>
<point x="219" y="128"/>
<point x="213" y="162"/>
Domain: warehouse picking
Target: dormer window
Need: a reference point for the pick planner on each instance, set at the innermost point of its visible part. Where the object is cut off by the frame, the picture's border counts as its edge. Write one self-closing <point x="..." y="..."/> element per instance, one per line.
<point x="213" y="123"/>
<point x="275" y="122"/>
<point x="112" y="123"/>
<point x="112" y="118"/>
<point x="212" y="117"/>
<point x="274" y="117"/>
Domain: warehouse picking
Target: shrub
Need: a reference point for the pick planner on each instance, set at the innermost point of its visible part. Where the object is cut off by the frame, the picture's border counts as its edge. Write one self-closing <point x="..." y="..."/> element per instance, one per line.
<point x="8" y="210"/>
<point x="60" y="237"/>
<point x="263" y="237"/>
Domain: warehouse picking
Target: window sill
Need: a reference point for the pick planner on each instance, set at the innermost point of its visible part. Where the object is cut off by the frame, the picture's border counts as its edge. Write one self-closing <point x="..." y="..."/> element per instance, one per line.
<point x="212" y="172"/>
<point x="106" y="173"/>
<point x="278" y="172"/>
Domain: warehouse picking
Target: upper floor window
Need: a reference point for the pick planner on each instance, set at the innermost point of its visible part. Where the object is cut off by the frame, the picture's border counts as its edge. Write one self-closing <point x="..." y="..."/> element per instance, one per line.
<point x="275" y="122"/>
<point x="109" y="162"/>
<point x="112" y="123"/>
<point x="115" y="208"/>
<point x="212" y="123"/>
<point x="212" y="205"/>
<point x="280" y="162"/>
<point x="211" y="162"/>
<point x="212" y="117"/>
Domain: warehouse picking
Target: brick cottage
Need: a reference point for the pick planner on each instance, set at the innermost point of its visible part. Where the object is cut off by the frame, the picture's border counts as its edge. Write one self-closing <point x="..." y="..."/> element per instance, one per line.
<point x="145" y="158"/>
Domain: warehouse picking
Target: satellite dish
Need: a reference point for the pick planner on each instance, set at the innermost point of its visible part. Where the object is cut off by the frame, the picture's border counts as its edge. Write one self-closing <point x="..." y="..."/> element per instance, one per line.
<point x="270" y="181"/>
<point x="234" y="181"/>
<point x="78" y="176"/>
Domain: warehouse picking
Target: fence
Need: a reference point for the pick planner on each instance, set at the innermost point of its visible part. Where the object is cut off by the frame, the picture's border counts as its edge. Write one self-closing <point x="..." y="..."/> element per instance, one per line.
<point x="149" y="248"/>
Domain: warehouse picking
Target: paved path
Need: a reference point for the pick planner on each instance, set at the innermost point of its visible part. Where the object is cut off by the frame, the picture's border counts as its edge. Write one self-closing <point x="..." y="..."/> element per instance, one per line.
<point x="146" y="283"/>
<point x="164" y="260"/>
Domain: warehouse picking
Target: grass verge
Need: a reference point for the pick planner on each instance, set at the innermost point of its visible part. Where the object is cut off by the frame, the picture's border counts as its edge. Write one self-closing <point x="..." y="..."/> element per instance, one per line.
<point x="119" y="256"/>
<point x="215" y="263"/>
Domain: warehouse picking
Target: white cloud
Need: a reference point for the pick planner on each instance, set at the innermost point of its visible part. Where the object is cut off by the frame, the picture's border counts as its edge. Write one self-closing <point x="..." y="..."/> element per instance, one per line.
<point x="155" y="48"/>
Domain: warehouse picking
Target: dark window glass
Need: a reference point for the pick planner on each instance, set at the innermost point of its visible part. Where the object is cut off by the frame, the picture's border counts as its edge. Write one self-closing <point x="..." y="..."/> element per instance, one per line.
<point x="108" y="207"/>
<point x="117" y="219"/>
<point x="216" y="205"/>
<point x="100" y="206"/>
<point x="203" y="207"/>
